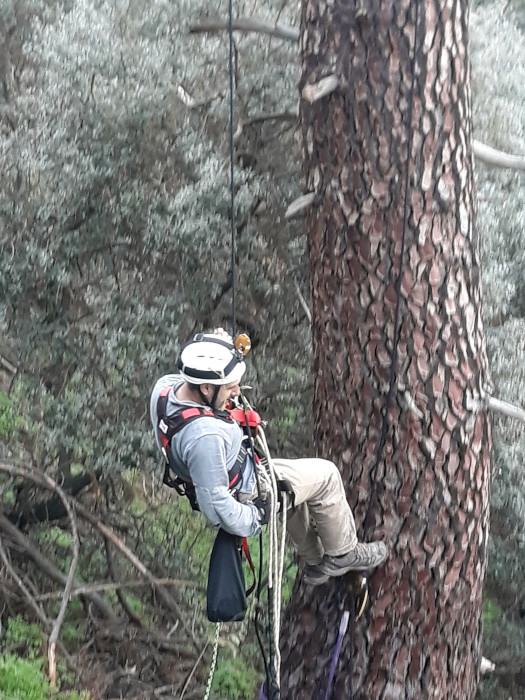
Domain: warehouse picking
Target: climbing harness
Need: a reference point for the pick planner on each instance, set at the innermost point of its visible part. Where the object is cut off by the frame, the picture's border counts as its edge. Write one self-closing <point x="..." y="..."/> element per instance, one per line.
<point x="169" y="426"/>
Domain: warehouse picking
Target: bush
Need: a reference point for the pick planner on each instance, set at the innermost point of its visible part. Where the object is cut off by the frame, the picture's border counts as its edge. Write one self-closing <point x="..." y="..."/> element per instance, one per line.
<point x="22" y="680"/>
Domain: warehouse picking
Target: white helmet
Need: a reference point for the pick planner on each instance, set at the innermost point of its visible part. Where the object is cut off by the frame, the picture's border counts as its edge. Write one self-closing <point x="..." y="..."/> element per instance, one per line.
<point x="210" y="359"/>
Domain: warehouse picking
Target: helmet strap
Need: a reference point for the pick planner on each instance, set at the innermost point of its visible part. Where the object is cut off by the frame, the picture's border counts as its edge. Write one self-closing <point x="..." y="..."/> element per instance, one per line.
<point x="205" y="399"/>
<point x="214" y="397"/>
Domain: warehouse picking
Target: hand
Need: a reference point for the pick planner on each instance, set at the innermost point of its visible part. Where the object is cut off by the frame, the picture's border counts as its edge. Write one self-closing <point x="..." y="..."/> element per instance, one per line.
<point x="264" y="509"/>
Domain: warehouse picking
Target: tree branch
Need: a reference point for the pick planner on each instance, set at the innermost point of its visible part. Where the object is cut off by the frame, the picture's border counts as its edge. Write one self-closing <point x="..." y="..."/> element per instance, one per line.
<point x="168" y="599"/>
<point x="99" y="587"/>
<point x="247" y="25"/>
<point x="30" y="599"/>
<point x="299" y="204"/>
<point x="491" y="156"/>
<point x="507" y="409"/>
<point x="303" y="303"/>
<point x="44" y="480"/>
<point x="48" y="568"/>
<point x="486" y="666"/>
<point x="315" y="91"/>
<point x="7" y="365"/>
<point x="286" y="116"/>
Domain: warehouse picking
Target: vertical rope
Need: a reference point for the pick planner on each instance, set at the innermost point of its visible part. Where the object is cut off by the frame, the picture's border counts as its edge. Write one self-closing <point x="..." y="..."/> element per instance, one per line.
<point x="343" y="625"/>
<point x="213" y="661"/>
<point x="232" y="157"/>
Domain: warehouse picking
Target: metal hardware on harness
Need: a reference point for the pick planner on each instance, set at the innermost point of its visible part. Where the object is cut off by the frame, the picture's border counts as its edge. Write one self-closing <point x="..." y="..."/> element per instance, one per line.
<point x="356" y="585"/>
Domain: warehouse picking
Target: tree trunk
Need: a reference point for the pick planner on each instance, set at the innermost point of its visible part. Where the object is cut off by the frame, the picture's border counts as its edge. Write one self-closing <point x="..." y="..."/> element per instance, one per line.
<point x="400" y="356"/>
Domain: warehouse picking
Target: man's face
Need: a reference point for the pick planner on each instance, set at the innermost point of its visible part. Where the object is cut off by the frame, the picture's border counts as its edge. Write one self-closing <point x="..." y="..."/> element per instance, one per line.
<point x="226" y="392"/>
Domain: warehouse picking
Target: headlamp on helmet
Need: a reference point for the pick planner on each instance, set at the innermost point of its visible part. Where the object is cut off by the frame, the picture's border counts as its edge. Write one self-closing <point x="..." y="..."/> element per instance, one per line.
<point x="211" y="358"/>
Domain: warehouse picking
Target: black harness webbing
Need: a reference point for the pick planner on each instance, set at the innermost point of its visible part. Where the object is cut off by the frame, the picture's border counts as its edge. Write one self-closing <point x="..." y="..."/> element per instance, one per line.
<point x="168" y="426"/>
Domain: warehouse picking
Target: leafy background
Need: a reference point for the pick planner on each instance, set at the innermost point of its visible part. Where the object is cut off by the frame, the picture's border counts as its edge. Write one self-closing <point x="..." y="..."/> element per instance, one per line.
<point x="116" y="246"/>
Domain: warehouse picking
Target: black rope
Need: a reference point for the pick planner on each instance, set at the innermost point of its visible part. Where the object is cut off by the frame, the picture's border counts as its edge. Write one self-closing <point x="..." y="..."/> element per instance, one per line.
<point x="232" y="157"/>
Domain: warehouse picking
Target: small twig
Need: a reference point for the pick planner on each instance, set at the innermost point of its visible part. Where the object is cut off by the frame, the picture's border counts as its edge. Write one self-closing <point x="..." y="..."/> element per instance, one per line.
<point x="303" y="303"/>
<point x="192" y="672"/>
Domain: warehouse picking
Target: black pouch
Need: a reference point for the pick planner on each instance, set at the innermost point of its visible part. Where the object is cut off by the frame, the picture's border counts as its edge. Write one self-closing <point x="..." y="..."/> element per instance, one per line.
<point x="226" y="593"/>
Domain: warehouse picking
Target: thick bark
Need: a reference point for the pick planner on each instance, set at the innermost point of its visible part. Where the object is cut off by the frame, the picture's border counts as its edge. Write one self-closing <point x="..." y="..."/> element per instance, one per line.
<point x="400" y="357"/>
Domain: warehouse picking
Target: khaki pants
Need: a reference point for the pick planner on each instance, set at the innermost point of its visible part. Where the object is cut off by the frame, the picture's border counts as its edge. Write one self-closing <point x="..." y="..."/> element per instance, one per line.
<point x="322" y="522"/>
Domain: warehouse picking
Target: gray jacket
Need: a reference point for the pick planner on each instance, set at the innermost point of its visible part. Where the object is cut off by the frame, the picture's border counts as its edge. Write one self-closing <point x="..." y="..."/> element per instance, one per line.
<point x="203" y="452"/>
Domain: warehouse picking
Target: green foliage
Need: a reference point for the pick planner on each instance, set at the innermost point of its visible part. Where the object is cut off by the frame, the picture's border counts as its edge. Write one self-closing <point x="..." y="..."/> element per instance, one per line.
<point x="492" y="614"/>
<point x="10" y="421"/>
<point x="20" y="633"/>
<point x="125" y="207"/>
<point x="55" y="536"/>
<point x="498" y="76"/>
<point x="21" y="679"/>
<point x="234" y="680"/>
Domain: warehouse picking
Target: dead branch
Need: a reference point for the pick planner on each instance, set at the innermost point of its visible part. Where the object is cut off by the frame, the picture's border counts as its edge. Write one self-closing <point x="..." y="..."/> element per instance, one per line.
<point x="7" y="365"/>
<point x="299" y="205"/>
<point x="120" y="593"/>
<point x="101" y="587"/>
<point x="33" y="604"/>
<point x="45" y="480"/>
<point x="487" y="666"/>
<point x="315" y="91"/>
<point x="500" y="159"/>
<point x="246" y="25"/>
<point x="303" y="303"/>
<point x="30" y="599"/>
<point x="286" y="116"/>
<point x="49" y="569"/>
<point x="507" y="409"/>
<point x="166" y="597"/>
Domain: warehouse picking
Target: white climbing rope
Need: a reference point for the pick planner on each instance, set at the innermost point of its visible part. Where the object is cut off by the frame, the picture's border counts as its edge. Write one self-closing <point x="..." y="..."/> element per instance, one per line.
<point x="213" y="661"/>
<point x="276" y="546"/>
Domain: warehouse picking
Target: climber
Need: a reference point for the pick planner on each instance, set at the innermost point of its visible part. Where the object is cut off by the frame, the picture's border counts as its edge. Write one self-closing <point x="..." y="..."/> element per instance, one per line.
<point x="204" y="450"/>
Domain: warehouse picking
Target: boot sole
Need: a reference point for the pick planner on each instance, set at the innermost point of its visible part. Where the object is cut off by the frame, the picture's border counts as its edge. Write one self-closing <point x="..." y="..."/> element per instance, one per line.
<point x="341" y="571"/>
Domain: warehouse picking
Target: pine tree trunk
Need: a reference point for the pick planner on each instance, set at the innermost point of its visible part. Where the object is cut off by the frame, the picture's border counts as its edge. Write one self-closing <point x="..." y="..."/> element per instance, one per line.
<point x="400" y="356"/>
